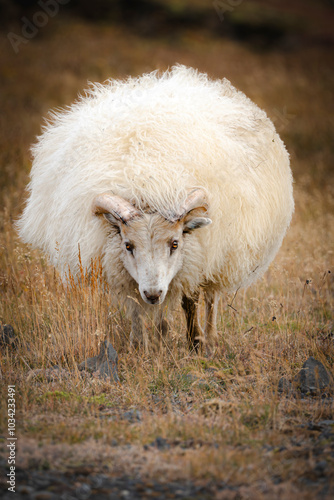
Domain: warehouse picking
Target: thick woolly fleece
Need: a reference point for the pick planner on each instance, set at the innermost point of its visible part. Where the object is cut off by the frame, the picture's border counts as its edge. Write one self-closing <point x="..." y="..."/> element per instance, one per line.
<point x="151" y="139"/>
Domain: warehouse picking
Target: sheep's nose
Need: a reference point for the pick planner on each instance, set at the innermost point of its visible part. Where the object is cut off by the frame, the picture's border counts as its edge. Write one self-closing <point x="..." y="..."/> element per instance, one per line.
<point x="153" y="297"/>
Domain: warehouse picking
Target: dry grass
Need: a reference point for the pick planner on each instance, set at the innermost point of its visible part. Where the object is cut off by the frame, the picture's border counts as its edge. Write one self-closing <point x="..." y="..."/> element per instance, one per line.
<point x="222" y="416"/>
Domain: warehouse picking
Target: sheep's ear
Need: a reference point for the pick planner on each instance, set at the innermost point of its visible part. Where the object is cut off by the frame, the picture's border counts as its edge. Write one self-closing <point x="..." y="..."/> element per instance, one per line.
<point x="192" y="223"/>
<point x="196" y="200"/>
<point x="115" y="209"/>
<point x="194" y="210"/>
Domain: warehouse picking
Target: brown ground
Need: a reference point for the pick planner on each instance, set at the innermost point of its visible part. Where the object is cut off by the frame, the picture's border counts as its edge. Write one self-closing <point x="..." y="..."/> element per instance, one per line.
<point x="178" y="425"/>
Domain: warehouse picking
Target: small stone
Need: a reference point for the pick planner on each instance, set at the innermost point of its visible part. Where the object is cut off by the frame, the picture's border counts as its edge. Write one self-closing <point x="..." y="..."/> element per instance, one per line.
<point x="284" y="385"/>
<point x="41" y="481"/>
<point x="24" y="489"/>
<point x="89" y="364"/>
<point x="7" y="336"/>
<point x="161" y="443"/>
<point x="97" y="481"/>
<point x="326" y="423"/>
<point x="313" y="377"/>
<point x="132" y="415"/>
<point x="83" y="491"/>
<point x="105" y="364"/>
<point x="321" y="467"/>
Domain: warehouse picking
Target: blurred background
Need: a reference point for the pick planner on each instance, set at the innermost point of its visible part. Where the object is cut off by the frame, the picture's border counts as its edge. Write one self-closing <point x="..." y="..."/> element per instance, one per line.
<point x="279" y="52"/>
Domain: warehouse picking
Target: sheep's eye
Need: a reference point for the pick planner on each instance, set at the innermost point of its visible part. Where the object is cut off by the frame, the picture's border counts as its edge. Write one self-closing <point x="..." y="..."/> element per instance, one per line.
<point x="129" y="247"/>
<point x="174" y="245"/>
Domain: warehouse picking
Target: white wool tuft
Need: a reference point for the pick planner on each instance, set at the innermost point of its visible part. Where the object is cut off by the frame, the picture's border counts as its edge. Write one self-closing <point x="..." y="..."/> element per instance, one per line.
<point x="150" y="140"/>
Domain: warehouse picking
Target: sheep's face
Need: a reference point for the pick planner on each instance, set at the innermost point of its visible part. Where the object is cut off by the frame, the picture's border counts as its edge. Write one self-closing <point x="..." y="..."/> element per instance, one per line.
<point x="152" y="254"/>
<point x="151" y="246"/>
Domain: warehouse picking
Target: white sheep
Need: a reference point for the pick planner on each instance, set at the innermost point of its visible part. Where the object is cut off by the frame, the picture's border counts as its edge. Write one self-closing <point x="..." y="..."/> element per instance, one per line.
<point x="136" y="171"/>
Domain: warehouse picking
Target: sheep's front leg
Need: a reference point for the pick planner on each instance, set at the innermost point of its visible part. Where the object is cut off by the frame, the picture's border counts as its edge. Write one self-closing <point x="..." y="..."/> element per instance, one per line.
<point x="194" y="331"/>
<point x="160" y="332"/>
<point x="137" y="330"/>
<point x="162" y="327"/>
<point x="211" y="298"/>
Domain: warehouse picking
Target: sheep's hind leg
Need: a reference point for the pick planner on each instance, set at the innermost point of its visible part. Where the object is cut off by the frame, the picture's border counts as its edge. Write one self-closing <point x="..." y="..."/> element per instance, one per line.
<point x="211" y="298"/>
<point x="194" y="331"/>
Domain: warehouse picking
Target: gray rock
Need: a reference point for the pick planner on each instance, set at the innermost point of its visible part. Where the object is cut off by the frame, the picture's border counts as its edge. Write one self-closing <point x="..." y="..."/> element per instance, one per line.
<point x="160" y="443"/>
<point x="313" y="378"/>
<point x="284" y="385"/>
<point x="321" y="467"/>
<point x="105" y="364"/>
<point x="83" y="491"/>
<point x="7" y="336"/>
<point x="132" y="415"/>
<point x="326" y="423"/>
<point x="24" y="489"/>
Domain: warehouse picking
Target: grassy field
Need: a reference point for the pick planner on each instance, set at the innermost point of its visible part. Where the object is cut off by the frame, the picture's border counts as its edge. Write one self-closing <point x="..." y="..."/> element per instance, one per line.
<point x="175" y="415"/>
